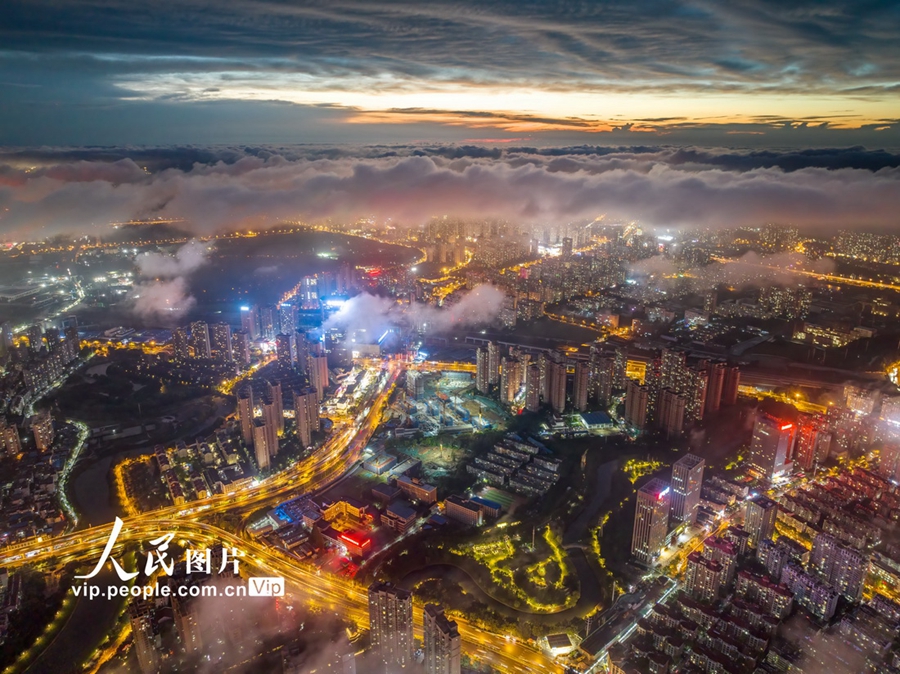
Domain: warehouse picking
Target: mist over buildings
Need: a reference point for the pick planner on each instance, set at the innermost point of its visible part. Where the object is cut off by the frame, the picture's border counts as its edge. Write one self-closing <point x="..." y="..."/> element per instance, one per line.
<point x="162" y="292"/>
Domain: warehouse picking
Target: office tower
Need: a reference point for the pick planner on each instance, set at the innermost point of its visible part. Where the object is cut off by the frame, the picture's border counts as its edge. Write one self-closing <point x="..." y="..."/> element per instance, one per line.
<point x="35" y="337"/>
<point x="759" y="519"/>
<point x="637" y="399"/>
<point x="556" y="381"/>
<point x="274" y="393"/>
<point x="687" y="483"/>
<point x="242" y="348"/>
<point x="200" y="340"/>
<point x="482" y="371"/>
<point x="532" y="388"/>
<point x="245" y="414"/>
<point x="261" y="443"/>
<point x="813" y="440"/>
<point x="704" y="577"/>
<point x="306" y="414"/>
<point x="284" y="350"/>
<point x="771" y="448"/>
<point x="181" y="345"/>
<point x="309" y="292"/>
<point x="715" y="375"/>
<point x="268" y="322"/>
<point x="580" y="389"/>
<point x="42" y="428"/>
<point x="289" y="317"/>
<point x="493" y="363"/>
<point x="730" y="385"/>
<point x="651" y="520"/>
<point x="318" y="373"/>
<point x="250" y="321"/>
<point x="391" y="626"/>
<point x="510" y="379"/>
<point x="144" y="634"/>
<point x="9" y="438"/>
<point x="441" y="642"/>
<point x="220" y="339"/>
<point x="670" y="413"/>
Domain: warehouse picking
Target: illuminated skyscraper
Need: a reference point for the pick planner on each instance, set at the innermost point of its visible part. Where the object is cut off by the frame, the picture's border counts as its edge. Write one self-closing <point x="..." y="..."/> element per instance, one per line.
<point x="813" y="440"/>
<point x="181" y="345"/>
<point x="200" y="340"/>
<point x="602" y="377"/>
<point x="289" y="317"/>
<point x="242" y="348"/>
<point x="306" y="414"/>
<point x="261" y="444"/>
<point x="687" y="483"/>
<point x="42" y="429"/>
<point x="510" y="379"/>
<point x="759" y="519"/>
<point x="318" y="373"/>
<point x="441" y="642"/>
<point x="715" y="371"/>
<point x="245" y="414"/>
<point x="268" y="321"/>
<point x="772" y="446"/>
<point x="670" y="413"/>
<point x="284" y="350"/>
<point x="301" y="351"/>
<point x="651" y="520"/>
<point x="533" y="388"/>
<point x="391" y="626"/>
<point x="637" y="398"/>
<point x="220" y="337"/>
<point x="250" y="321"/>
<point x="704" y="578"/>
<point x="580" y="387"/>
<point x="482" y="371"/>
<point x="493" y="363"/>
<point x="556" y="382"/>
<point x="275" y="395"/>
<point x="730" y="385"/>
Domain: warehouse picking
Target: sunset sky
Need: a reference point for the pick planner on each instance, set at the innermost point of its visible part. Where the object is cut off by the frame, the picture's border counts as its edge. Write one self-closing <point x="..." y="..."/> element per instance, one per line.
<point x="749" y="73"/>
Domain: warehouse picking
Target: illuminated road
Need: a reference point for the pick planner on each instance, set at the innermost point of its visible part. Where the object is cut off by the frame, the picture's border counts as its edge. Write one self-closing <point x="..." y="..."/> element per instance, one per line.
<point x="333" y="459"/>
<point x="830" y="278"/>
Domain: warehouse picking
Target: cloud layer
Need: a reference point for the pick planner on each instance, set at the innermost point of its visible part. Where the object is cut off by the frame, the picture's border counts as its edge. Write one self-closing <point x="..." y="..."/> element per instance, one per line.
<point x="162" y="293"/>
<point x="44" y="193"/>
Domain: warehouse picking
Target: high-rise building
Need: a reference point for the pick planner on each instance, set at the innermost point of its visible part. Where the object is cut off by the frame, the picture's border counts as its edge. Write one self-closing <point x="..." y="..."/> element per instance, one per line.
<point x="813" y="441"/>
<point x="580" y="388"/>
<point x="261" y="444"/>
<point x="533" y="388"/>
<point x="270" y="419"/>
<point x="289" y="317"/>
<point x="602" y="378"/>
<point x="493" y="350"/>
<point x="306" y="414"/>
<point x="556" y="376"/>
<point x="242" y="347"/>
<point x="7" y="338"/>
<point x="510" y="379"/>
<point x="9" y="438"/>
<point x="772" y="446"/>
<point x="35" y="337"/>
<point x="715" y="373"/>
<point x="637" y="398"/>
<point x="842" y="567"/>
<point x="704" y="578"/>
<point x="181" y="344"/>
<point x="670" y="413"/>
<point x="42" y="428"/>
<point x="268" y="321"/>
<point x="145" y="634"/>
<point x="245" y="414"/>
<point x="391" y="626"/>
<point x="274" y="393"/>
<point x="250" y="321"/>
<point x="482" y="371"/>
<point x="318" y="373"/>
<point x="651" y="520"/>
<point x="302" y="351"/>
<point x="200" y="340"/>
<point x="309" y="292"/>
<point x="220" y="336"/>
<point x="759" y="519"/>
<point x="284" y="350"/>
<point x="441" y="642"/>
<point x="730" y="385"/>
<point x="687" y="483"/>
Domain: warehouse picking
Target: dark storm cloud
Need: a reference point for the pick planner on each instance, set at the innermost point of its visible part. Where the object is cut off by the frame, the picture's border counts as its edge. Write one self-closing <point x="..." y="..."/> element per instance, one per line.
<point x="45" y="192"/>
